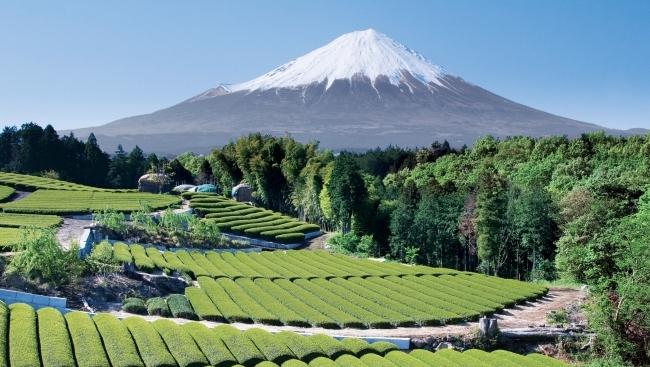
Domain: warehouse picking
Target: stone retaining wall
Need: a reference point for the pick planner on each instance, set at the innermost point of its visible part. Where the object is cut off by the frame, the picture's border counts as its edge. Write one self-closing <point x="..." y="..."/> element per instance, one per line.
<point x="35" y="300"/>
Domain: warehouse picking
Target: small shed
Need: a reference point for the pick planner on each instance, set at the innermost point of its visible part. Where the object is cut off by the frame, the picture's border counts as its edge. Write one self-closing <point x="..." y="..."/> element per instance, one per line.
<point x="155" y="183"/>
<point x="242" y="192"/>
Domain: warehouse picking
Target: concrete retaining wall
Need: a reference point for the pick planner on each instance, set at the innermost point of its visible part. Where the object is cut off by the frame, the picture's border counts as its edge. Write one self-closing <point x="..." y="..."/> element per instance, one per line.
<point x="35" y="300"/>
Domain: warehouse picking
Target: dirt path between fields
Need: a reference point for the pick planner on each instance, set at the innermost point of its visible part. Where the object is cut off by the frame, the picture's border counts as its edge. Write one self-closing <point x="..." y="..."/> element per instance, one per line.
<point x="531" y="314"/>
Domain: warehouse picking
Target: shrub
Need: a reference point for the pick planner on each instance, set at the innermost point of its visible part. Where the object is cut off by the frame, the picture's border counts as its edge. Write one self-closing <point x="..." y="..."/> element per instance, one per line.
<point x="39" y="256"/>
<point x="382" y="347"/>
<point x="117" y="340"/>
<point x="202" y="305"/>
<point x="85" y="337"/>
<point x="140" y="258"/>
<point x="180" y="344"/>
<point x="239" y="345"/>
<point x="230" y="309"/>
<point x="269" y="346"/>
<point x="121" y="253"/>
<point x="23" y="339"/>
<point x="212" y="347"/>
<point x="304" y="348"/>
<point x="101" y="258"/>
<point x="323" y="362"/>
<point x="54" y="339"/>
<point x="330" y="346"/>
<point x="157" y="306"/>
<point x="402" y="359"/>
<point x="134" y="305"/>
<point x="111" y="219"/>
<point x="180" y="307"/>
<point x="151" y="346"/>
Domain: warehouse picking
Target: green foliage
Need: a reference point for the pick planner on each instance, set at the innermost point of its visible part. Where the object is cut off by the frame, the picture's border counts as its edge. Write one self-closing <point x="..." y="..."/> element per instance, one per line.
<point x="29" y="220"/>
<point x="23" y="340"/>
<point x="6" y="192"/>
<point x="151" y="346"/>
<point x="63" y="202"/>
<point x="111" y="219"/>
<point x="86" y="338"/>
<point x="134" y="305"/>
<point x="54" y="339"/>
<point x="180" y="307"/>
<point x="119" y="345"/>
<point x="157" y="306"/>
<point x="347" y="191"/>
<point x="351" y="243"/>
<point x="41" y="257"/>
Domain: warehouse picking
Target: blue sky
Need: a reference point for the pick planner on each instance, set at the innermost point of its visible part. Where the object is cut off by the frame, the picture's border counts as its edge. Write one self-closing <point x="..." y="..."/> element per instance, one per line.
<point x="84" y="63"/>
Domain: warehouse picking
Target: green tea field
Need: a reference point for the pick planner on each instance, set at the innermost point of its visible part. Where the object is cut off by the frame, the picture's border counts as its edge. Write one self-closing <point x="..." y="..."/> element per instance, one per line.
<point x="311" y="288"/>
<point x="48" y="338"/>
<point x="246" y="220"/>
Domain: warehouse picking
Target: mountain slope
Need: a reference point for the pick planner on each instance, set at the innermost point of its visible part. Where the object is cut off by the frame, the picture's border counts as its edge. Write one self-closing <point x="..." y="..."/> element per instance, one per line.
<point x="361" y="90"/>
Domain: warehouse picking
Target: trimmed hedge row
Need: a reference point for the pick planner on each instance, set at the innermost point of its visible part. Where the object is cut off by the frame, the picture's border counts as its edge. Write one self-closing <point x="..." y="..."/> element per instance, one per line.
<point x="231" y="216"/>
<point x="151" y="346"/>
<point x="119" y="345"/>
<point x="179" y="306"/>
<point x="29" y="220"/>
<point x="86" y="338"/>
<point x="134" y="305"/>
<point x="62" y="202"/>
<point x="181" y="344"/>
<point x="104" y="340"/>
<point x="23" y="339"/>
<point x="157" y="306"/>
<point x="6" y="192"/>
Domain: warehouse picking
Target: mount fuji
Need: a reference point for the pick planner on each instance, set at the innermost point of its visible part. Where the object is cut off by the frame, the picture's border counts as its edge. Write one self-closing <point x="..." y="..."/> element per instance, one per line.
<point x="362" y="90"/>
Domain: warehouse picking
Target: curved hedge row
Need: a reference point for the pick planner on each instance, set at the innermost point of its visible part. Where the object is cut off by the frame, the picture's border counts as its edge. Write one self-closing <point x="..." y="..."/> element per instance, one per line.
<point x="282" y="264"/>
<point x="31" y="183"/>
<point x="6" y="192"/>
<point x="240" y="218"/>
<point x="46" y="338"/>
<point x="29" y="220"/>
<point x="63" y="202"/>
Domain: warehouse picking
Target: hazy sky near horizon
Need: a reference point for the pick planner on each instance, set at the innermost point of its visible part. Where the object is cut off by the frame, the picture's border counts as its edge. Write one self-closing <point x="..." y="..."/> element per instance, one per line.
<point x="84" y="63"/>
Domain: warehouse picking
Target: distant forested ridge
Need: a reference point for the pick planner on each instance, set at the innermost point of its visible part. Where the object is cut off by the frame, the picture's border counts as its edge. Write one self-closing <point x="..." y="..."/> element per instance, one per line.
<point x="32" y="149"/>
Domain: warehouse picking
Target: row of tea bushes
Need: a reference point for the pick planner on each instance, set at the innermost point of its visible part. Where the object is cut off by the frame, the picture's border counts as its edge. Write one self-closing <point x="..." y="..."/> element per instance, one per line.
<point x="6" y="193"/>
<point x="243" y="219"/>
<point x="354" y="302"/>
<point x="278" y="264"/>
<point x="9" y="237"/>
<point x="174" y="305"/>
<point x="29" y="220"/>
<point x="63" y="202"/>
<point x="32" y="183"/>
<point x="46" y="338"/>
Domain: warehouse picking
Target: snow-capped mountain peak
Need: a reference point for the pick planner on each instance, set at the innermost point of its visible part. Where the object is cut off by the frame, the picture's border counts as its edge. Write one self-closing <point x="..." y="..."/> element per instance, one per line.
<point x="362" y="53"/>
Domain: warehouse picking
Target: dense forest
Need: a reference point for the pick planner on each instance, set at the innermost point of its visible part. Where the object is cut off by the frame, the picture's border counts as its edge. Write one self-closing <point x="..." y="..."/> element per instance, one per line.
<point x="36" y="150"/>
<point x="533" y="209"/>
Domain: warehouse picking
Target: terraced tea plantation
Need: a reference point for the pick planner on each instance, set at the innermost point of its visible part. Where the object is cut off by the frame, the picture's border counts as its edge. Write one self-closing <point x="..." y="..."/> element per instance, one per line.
<point x="315" y="288"/>
<point x="249" y="221"/>
<point x="64" y="202"/>
<point x="6" y="192"/>
<point x="29" y="220"/>
<point x="32" y="183"/>
<point x="9" y="237"/>
<point x="47" y="338"/>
